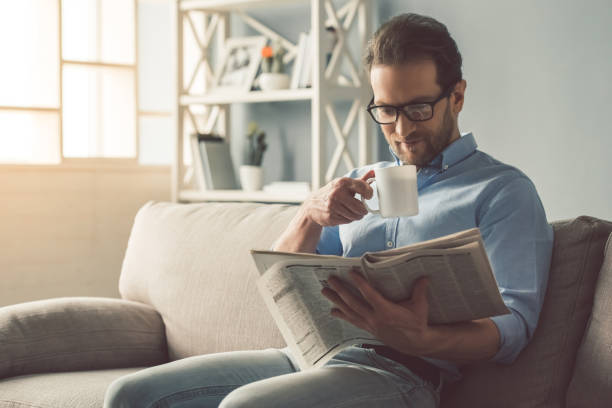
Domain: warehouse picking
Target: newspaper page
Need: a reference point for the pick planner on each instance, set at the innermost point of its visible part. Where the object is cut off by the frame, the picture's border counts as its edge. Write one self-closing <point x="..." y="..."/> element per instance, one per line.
<point x="461" y="284"/>
<point x="264" y="259"/>
<point x="449" y="241"/>
<point x="461" y="288"/>
<point x="292" y="292"/>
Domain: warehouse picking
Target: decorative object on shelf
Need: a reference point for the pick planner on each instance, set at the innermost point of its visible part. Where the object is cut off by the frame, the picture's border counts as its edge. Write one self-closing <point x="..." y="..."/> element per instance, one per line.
<point x="251" y="172"/>
<point x="212" y="161"/>
<point x="273" y="74"/>
<point x="251" y="177"/>
<point x="239" y="64"/>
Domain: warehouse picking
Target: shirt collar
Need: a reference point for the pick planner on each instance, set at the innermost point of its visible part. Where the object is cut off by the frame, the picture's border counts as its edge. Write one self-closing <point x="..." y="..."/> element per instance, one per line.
<point x="452" y="154"/>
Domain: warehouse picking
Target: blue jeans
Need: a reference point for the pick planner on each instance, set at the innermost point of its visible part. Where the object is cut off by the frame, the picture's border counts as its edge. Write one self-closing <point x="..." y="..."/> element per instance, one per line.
<point x="355" y="377"/>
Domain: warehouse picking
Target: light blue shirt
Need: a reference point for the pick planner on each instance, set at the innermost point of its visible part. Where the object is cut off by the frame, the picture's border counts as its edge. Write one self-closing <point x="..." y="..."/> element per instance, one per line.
<point x="465" y="188"/>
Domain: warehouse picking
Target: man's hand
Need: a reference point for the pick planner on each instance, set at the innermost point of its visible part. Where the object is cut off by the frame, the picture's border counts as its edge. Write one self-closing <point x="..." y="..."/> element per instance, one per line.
<point x="402" y="325"/>
<point x="335" y="203"/>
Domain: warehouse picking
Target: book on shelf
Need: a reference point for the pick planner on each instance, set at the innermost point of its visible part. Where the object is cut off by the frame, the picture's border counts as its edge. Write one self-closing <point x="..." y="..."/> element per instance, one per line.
<point x="301" y="76"/>
<point x="196" y="163"/>
<point x="299" y="61"/>
<point x="306" y="70"/>
<point x="212" y="161"/>
<point x="461" y="288"/>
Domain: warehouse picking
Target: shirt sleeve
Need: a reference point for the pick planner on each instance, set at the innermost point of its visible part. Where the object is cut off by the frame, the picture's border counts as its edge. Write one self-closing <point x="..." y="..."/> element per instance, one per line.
<point x="518" y="241"/>
<point x="329" y="243"/>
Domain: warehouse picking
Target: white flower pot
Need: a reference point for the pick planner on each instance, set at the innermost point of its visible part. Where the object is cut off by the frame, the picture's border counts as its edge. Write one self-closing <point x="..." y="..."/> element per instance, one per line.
<point x="251" y="178"/>
<point x="270" y="80"/>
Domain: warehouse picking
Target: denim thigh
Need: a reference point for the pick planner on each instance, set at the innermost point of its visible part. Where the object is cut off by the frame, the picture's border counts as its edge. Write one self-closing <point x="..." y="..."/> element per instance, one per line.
<point x="201" y="381"/>
<point x="356" y="377"/>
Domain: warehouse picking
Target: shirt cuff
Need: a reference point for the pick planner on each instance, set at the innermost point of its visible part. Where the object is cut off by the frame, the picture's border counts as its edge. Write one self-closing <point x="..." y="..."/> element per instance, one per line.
<point x="512" y="337"/>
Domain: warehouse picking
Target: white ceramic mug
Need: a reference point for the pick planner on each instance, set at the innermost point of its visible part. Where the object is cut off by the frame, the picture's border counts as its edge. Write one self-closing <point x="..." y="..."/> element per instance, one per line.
<point x="397" y="191"/>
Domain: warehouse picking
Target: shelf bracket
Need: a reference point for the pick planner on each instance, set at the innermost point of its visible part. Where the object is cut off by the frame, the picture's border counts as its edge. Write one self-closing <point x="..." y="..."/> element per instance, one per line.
<point x="342" y="136"/>
<point x="341" y="50"/>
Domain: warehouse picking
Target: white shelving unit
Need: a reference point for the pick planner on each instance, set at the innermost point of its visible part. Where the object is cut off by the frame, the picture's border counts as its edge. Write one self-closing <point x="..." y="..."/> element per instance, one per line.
<point x="213" y="18"/>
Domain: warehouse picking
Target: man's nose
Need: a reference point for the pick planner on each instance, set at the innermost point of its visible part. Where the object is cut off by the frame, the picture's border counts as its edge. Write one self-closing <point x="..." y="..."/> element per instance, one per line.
<point x="404" y="126"/>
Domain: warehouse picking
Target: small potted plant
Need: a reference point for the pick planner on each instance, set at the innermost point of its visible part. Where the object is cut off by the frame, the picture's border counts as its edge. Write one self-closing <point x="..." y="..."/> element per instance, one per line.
<point x="251" y="172"/>
<point x="273" y="74"/>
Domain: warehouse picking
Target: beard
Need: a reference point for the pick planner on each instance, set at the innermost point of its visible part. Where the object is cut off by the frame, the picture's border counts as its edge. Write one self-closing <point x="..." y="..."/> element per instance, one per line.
<point x="431" y="143"/>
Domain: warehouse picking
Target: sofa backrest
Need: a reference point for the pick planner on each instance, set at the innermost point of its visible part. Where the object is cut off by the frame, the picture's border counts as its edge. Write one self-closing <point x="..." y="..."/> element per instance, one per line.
<point x="542" y="372"/>
<point x="591" y="384"/>
<point x="191" y="262"/>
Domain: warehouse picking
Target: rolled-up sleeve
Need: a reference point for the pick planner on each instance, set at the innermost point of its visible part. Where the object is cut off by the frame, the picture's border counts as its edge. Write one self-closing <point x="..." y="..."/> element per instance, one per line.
<point x="329" y="243"/>
<point x="518" y="241"/>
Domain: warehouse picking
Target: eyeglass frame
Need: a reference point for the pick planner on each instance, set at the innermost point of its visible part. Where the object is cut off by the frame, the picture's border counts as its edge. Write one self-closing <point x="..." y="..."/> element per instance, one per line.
<point x="446" y="93"/>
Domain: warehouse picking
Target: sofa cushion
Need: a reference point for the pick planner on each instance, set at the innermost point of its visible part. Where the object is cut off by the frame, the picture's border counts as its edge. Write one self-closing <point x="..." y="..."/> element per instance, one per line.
<point x="591" y="385"/>
<point x="83" y="389"/>
<point x="191" y="262"/>
<point x="69" y="334"/>
<point x="541" y="374"/>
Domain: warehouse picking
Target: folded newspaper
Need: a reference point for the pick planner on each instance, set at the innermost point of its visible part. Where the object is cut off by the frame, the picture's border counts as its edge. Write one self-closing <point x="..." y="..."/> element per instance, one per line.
<point x="461" y="288"/>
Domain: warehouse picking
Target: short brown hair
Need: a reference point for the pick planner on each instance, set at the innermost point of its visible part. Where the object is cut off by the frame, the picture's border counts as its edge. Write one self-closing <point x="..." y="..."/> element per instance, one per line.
<point x="412" y="37"/>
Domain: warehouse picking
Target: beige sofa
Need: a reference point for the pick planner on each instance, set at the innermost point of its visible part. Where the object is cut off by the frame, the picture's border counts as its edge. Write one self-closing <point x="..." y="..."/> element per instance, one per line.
<point x="187" y="285"/>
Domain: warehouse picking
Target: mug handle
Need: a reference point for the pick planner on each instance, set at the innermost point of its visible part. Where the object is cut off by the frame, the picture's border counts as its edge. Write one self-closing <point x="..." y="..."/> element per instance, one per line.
<point x="363" y="200"/>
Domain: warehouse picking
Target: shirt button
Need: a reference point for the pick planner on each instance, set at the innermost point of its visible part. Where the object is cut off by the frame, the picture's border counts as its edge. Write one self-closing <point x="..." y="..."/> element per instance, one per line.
<point x="389" y="244"/>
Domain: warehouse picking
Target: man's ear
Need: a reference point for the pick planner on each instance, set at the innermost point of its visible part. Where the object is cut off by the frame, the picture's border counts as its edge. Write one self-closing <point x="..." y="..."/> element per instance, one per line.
<point x="458" y="96"/>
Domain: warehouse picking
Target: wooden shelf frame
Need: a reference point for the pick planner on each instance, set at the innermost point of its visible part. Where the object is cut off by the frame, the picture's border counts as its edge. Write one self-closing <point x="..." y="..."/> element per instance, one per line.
<point x="325" y="91"/>
<point x="240" y="195"/>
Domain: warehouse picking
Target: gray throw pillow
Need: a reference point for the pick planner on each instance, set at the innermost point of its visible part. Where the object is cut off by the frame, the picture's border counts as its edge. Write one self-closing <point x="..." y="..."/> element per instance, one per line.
<point x="542" y="372"/>
<point x="70" y="334"/>
<point x="591" y="384"/>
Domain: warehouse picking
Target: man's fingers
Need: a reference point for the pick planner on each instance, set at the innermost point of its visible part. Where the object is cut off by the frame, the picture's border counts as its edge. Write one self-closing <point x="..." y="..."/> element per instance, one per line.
<point x="343" y="210"/>
<point x="374" y="297"/>
<point x="341" y="201"/>
<point x="350" y="299"/>
<point x="419" y="292"/>
<point x="368" y="175"/>
<point x="356" y="207"/>
<point x="360" y="186"/>
<point x="355" y="321"/>
<point x="340" y="305"/>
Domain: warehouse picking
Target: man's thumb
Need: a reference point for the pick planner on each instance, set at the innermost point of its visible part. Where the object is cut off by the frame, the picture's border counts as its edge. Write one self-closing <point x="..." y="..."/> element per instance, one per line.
<point x="419" y="292"/>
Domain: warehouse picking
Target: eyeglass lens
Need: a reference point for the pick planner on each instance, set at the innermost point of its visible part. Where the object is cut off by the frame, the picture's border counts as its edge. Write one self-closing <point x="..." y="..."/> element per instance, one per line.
<point x="389" y="114"/>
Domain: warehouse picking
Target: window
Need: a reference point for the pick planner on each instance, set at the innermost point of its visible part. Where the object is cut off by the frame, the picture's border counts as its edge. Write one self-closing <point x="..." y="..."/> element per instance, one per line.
<point x="86" y="79"/>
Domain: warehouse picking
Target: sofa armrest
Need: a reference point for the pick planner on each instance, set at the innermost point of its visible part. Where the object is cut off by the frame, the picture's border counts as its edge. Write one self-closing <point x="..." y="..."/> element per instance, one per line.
<point x="71" y="334"/>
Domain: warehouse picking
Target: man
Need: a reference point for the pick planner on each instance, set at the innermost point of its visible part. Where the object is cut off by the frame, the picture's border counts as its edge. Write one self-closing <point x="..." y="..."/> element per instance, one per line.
<point x="418" y="92"/>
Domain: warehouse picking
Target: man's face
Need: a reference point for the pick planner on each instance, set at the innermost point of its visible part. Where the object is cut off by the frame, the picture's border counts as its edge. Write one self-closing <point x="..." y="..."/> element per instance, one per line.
<point x="417" y="142"/>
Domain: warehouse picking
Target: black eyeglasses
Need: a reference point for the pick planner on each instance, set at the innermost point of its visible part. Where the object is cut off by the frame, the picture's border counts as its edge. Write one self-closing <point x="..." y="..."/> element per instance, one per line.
<point x="416" y="112"/>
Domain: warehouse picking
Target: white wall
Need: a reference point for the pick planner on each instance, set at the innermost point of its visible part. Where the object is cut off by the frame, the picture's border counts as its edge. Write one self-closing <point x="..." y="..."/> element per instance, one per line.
<point x="539" y="92"/>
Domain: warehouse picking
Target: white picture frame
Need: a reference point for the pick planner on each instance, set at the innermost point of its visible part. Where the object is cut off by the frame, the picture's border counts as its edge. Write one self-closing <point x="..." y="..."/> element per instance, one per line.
<point x="239" y="64"/>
